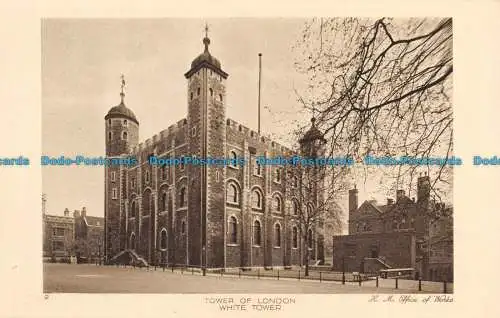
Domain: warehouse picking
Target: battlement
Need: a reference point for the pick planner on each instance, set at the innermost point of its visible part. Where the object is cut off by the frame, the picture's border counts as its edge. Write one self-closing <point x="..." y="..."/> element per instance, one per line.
<point x="160" y="137"/>
<point x="236" y="127"/>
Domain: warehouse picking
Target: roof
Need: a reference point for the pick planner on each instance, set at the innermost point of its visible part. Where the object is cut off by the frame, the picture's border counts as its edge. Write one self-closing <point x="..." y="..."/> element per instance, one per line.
<point x="121" y="111"/>
<point x="313" y="133"/>
<point x="94" y="221"/>
<point x="206" y="59"/>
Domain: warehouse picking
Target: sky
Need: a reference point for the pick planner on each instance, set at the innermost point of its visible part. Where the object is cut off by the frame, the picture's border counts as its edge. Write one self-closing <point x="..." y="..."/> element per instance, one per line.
<point x="82" y="61"/>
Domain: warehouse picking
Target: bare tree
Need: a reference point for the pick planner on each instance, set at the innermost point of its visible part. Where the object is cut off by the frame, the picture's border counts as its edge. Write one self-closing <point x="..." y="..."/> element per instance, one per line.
<point x="314" y="187"/>
<point x="383" y="88"/>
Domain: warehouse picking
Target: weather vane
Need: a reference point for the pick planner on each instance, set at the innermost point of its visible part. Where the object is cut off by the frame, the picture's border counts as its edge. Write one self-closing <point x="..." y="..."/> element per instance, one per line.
<point x="123" y="82"/>
<point x="122" y="94"/>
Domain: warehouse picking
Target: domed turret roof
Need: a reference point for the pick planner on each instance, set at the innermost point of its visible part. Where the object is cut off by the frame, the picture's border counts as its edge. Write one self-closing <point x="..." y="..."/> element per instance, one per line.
<point x="312" y="134"/>
<point x="206" y="57"/>
<point x="121" y="111"/>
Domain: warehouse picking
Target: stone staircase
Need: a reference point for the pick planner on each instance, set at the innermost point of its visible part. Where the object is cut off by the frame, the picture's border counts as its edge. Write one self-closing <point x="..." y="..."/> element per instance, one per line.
<point x="128" y="257"/>
<point x="374" y="265"/>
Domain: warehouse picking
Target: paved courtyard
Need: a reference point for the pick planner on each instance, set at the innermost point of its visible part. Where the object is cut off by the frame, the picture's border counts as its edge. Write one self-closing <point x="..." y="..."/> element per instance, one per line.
<point x="66" y="278"/>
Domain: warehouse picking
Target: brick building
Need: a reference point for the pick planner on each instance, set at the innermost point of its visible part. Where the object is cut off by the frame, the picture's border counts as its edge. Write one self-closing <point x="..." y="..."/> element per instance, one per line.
<point x="89" y="236"/>
<point x="67" y="236"/>
<point x="202" y="215"/>
<point x="58" y="236"/>
<point x="403" y="233"/>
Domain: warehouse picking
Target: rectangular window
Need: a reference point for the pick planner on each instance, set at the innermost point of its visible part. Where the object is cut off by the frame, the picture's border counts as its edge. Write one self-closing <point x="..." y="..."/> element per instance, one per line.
<point x="57" y="231"/>
<point x="277" y="175"/>
<point x="57" y="246"/>
<point x="114" y="193"/>
<point x="113" y="176"/>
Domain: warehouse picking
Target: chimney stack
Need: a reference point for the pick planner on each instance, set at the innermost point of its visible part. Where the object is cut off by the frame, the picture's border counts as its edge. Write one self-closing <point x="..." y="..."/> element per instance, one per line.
<point x="84" y="212"/>
<point x="423" y="188"/>
<point x="76" y="214"/>
<point x="353" y="199"/>
<point x="66" y="212"/>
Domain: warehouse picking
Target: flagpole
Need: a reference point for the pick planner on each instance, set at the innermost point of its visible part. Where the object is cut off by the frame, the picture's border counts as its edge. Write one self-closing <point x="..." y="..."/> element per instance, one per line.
<point x="260" y="77"/>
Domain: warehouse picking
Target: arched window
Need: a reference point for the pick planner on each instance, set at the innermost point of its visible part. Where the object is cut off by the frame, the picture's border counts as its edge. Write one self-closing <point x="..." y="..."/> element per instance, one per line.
<point x="170" y="202"/>
<point x="110" y="135"/>
<point x="132" y="210"/>
<point x="146" y="176"/>
<point x="164" y="172"/>
<point x="295" y="207"/>
<point x="191" y="97"/>
<point x="256" y="199"/>
<point x="233" y="230"/>
<point x="257" y="169"/>
<point x="233" y="159"/>
<point x="164" y="201"/>
<point x="132" y="241"/>
<point x="256" y="233"/>
<point x="163" y="239"/>
<point x="310" y="238"/>
<point x="183" y="227"/>
<point x="146" y="203"/>
<point x="198" y="91"/>
<point x="220" y="97"/>
<point x="277" y="235"/>
<point x="232" y="193"/>
<point x="295" y="237"/>
<point x="125" y="123"/>
<point x="182" y="197"/>
<point x="277" y="204"/>
<point x="124" y="135"/>
<point x="211" y="92"/>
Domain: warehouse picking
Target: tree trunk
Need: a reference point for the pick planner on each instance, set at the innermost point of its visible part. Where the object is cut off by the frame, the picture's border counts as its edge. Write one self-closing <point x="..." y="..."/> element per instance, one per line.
<point x="307" y="261"/>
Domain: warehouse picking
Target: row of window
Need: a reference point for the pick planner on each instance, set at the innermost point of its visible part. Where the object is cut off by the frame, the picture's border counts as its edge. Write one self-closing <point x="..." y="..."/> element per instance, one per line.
<point x="58" y="231"/>
<point x="165" y="203"/>
<point x="396" y="225"/>
<point x="257" y="234"/>
<point x="257" y="170"/>
<point x="124" y="135"/>
<point x="232" y="197"/>
<point x="233" y="237"/>
<point x="125" y="122"/>
<point x="198" y="91"/>
<point x="163" y="237"/>
<point x="165" y="173"/>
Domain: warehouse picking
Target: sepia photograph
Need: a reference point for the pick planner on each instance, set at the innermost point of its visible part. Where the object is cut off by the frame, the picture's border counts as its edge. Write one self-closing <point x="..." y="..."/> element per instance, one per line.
<point x="276" y="156"/>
